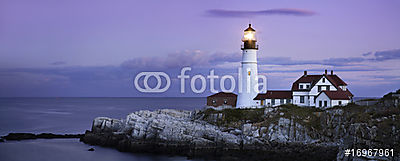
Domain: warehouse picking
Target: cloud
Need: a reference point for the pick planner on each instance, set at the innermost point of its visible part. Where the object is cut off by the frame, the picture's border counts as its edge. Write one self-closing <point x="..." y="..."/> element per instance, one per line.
<point x="225" y="57"/>
<point x="58" y="63"/>
<point x="367" y="54"/>
<point x="338" y="62"/>
<point x="181" y="59"/>
<point x="349" y="61"/>
<point x="65" y="81"/>
<point x="387" y="55"/>
<point x="281" y="11"/>
<point x="199" y="58"/>
<point x="172" y="60"/>
<point x="378" y="69"/>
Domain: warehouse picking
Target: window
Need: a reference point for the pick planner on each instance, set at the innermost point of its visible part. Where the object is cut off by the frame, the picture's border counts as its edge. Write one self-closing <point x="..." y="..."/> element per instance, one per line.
<point x="319" y="88"/>
<point x="301" y="86"/>
<point x="301" y="99"/>
<point x="323" y="80"/>
<point x="214" y="101"/>
<point x="320" y="104"/>
<point x="282" y="101"/>
<point x="325" y="103"/>
<point x="340" y="102"/>
<point x="288" y="101"/>
<point x="328" y="88"/>
<point x="248" y="72"/>
<point x="225" y="102"/>
<point x="307" y="86"/>
<point x="273" y="101"/>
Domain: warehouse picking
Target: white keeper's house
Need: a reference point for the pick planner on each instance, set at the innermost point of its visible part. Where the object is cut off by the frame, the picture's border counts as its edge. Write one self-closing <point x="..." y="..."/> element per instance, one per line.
<point x="321" y="91"/>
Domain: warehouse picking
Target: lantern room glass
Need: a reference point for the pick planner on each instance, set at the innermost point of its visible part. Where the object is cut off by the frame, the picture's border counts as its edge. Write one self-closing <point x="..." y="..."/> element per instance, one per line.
<point x="249" y="36"/>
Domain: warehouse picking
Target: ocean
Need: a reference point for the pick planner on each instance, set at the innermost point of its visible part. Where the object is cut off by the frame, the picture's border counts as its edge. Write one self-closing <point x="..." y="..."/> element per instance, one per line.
<point x="74" y="115"/>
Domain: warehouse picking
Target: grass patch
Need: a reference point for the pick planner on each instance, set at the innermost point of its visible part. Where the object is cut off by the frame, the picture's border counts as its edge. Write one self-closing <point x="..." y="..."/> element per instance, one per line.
<point x="351" y="108"/>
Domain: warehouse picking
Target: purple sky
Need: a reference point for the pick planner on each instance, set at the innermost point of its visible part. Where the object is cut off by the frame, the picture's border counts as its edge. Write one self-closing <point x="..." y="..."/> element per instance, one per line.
<point x="95" y="48"/>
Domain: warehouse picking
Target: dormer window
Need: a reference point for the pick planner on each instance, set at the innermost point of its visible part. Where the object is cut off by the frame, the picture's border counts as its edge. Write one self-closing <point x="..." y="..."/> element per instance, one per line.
<point x="307" y="86"/>
<point x="301" y="86"/>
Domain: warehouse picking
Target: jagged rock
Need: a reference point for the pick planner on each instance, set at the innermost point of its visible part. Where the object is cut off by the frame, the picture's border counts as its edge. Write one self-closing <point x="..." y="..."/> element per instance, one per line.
<point x="176" y="132"/>
<point x="275" y="131"/>
<point x="105" y="124"/>
<point x="165" y="125"/>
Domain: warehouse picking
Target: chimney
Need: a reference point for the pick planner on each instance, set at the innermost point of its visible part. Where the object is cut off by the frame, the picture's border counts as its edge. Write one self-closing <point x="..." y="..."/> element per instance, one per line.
<point x="305" y="73"/>
<point x="331" y="72"/>
<point x="326" y="72"/>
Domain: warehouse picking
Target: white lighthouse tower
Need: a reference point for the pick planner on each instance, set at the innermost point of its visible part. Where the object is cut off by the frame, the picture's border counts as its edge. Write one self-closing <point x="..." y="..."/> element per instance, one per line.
<point x="248" y="75"/>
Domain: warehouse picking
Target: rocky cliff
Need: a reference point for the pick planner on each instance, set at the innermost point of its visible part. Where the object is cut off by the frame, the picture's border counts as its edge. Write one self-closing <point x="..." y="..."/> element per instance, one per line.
<point x="282" y="133"/>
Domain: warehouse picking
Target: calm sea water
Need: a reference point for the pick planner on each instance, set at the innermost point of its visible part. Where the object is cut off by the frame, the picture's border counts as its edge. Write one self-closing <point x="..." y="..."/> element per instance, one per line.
<point x="73" y="115"/>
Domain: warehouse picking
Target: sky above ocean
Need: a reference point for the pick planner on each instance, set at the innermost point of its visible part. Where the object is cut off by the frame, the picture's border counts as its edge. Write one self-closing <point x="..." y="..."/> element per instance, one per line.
<point x="96" y="48"/>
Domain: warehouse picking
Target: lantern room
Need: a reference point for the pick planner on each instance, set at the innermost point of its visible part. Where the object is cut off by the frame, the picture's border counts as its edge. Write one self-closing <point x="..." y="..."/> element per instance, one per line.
<point x="249" y="39"/>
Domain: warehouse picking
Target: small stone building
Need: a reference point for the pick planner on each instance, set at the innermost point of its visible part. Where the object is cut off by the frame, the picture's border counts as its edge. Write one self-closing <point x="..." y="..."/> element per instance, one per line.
<point x="222" y="98"/>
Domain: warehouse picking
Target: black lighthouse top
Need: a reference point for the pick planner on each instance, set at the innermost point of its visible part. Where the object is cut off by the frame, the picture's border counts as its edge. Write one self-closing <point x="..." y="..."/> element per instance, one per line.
<point x="249" y="29"/>
<point x="249" y="39"/>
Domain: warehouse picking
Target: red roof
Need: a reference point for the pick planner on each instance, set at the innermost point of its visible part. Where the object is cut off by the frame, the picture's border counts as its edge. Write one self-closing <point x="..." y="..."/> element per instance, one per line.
<point x="338" y="95"/>
<point x="223" y="94"/>
<point x="313" y="79"/>
<point x="336" y="81"/>
<point x="274" y="95"/>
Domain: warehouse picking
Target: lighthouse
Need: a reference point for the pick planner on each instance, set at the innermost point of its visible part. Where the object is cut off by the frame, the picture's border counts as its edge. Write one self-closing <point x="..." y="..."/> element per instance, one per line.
<point x="248" y="75"/>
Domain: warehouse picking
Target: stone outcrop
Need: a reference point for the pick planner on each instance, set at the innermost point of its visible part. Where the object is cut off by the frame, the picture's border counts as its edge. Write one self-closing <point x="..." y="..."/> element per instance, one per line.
<point x="178" y="132"/>
<point x="281" y="133"/>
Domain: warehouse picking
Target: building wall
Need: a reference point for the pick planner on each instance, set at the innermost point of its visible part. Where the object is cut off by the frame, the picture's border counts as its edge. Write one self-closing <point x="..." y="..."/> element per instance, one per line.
<point x="268" y="102"/>
<point x="296" y="98"/>
<point x="314" y="90"/>
<point x="219" y="101"/>
<point x="336" y="102"/>
<point x="312" y="100"/>
<point x="323" y="97"/>
<point x="304" y="85"/>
